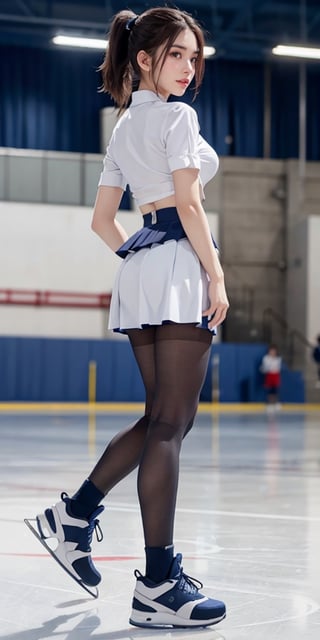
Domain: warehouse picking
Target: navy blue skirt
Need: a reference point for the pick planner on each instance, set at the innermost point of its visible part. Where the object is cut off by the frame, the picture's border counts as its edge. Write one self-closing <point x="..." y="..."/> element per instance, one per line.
<point x="158" y="227"/>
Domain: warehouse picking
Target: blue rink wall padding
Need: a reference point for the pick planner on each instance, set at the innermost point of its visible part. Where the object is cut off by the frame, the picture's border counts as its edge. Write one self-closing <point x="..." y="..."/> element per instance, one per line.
<point x="240" y="379"/>
<point x="56" y="370"/>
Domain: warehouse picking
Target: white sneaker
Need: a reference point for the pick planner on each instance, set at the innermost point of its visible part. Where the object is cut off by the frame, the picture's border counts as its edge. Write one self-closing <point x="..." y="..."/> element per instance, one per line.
<point x="175" y="602"/>
<point x="74" y="536"/>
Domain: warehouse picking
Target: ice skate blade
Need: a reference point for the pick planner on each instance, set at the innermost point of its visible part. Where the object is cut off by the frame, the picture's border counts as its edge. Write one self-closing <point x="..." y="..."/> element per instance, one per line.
<point x="94" y="592"/>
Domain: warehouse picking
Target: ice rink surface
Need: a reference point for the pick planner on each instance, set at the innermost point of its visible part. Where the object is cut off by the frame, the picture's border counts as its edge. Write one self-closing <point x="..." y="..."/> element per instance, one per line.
<point x="248" y="526"/>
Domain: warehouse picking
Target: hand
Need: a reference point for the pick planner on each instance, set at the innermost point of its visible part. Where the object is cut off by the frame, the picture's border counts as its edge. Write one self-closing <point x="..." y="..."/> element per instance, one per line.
<point x="219" y="304"/>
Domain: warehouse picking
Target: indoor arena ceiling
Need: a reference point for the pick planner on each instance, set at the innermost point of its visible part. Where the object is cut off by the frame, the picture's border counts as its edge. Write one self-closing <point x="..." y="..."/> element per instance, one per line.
<point x="239" y="29"/>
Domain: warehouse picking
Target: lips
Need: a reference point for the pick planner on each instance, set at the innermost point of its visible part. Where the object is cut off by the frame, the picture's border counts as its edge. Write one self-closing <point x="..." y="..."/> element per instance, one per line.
<point x="184" y="83"/>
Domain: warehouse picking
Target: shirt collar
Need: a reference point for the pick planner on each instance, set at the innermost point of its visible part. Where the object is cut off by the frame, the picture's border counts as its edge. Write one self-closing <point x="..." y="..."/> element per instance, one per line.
<point x="144" y="95"/>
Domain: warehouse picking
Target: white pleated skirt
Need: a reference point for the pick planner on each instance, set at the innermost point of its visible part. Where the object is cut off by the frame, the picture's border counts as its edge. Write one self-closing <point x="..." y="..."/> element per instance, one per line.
<point x="161" y="283"/>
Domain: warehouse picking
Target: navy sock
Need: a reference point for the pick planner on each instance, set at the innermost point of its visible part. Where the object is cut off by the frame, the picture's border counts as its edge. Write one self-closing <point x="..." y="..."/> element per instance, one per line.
<point x="158" y="562"/>
<point x="85" y="500"/>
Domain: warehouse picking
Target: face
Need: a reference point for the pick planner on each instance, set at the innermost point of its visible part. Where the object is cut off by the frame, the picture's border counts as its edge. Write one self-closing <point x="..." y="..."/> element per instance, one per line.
<point x="178" y="68"/>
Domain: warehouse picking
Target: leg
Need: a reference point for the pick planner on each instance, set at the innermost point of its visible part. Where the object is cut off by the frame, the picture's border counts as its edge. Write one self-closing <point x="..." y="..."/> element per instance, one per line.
<point x="123" y="453"/>
<point x="72" y="521"/>
<point x="181" y="360"/>
<point x="166" y="596"/>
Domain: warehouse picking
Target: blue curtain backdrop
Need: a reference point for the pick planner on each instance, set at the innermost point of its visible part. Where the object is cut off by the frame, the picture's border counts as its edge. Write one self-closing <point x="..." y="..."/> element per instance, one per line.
<point x="313" y="121"/>
<point x="49" y="100"/>
<point x="230" y="107"/>
<point x="285" y="111"/>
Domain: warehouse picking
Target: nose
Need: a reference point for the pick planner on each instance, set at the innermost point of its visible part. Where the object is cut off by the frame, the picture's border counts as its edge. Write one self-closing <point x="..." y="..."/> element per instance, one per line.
<point x="188" y="66"/>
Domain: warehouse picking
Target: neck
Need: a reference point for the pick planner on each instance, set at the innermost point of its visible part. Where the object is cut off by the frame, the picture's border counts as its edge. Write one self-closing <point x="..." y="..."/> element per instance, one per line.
<point x="146" y="86"/>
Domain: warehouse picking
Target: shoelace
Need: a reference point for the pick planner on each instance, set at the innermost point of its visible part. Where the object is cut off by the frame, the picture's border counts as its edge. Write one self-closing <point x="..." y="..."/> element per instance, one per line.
<point x="94" y="526"/>
<point x="188" y="584"/>
<point x="93" y="523"/>
<point x="185" y="583"/>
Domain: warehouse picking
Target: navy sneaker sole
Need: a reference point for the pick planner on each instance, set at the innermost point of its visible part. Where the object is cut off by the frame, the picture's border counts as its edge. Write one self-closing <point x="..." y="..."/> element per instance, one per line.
<point x="159" y="620"/>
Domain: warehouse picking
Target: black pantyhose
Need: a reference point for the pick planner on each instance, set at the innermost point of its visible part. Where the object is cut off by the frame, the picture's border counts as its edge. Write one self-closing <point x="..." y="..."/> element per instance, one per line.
<point x="173" y="360"/>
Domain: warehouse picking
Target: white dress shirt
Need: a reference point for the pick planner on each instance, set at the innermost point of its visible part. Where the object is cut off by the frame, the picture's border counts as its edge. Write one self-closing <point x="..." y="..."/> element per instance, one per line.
<point x="151" y="139"/>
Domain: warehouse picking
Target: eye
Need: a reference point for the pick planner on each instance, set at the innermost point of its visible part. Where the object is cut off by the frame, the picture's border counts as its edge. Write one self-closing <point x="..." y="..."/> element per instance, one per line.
<point x="175" y="54"/>
<point x="194" y="60"/>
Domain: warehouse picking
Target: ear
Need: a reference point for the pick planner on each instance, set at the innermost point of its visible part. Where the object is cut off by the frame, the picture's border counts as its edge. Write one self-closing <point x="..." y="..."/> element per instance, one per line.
<point x="144" y="60"/>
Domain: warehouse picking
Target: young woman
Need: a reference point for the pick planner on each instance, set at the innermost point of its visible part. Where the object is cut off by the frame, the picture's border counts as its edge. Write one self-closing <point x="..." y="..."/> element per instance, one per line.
<point x="168" y="297"/>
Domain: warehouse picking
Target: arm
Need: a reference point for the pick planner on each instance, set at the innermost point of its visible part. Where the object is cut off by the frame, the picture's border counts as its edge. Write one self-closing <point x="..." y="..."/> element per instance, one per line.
<point x="195" y="224"/>
<point x="103" y="222"/>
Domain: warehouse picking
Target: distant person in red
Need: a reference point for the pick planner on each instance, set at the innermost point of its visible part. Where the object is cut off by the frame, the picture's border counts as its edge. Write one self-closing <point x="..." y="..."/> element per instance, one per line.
<point x="271" y="368"/>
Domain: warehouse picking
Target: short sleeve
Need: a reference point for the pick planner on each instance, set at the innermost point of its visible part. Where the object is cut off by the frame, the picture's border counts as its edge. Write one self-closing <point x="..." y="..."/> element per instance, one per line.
<point x="111" y="175"/>
<point x="182" y="135"/>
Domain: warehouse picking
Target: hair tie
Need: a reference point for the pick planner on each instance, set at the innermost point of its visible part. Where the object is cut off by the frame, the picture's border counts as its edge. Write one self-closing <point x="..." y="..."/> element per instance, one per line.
<point x="130" y="24"/>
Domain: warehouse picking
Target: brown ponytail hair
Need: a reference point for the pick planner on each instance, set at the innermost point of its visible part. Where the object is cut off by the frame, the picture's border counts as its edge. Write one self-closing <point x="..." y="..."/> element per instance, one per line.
<point x="153" y="28"/>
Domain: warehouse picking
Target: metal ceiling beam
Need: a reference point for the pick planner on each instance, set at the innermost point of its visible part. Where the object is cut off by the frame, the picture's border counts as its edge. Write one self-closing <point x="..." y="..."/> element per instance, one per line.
<point x="52" y="22"/>
<point x="249" y="27"/>
<point x="314" y="22"/>
<point x="242" y="14"/>
<point x="23" y="5"/>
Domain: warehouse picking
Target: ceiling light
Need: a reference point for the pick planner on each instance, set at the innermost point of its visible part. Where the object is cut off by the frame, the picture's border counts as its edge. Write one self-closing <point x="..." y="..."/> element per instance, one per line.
<point x="73" y="41"/>
<point x="97" y="43"/>
<point x="295" y="51"/>
<point x="208" y="52"/>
